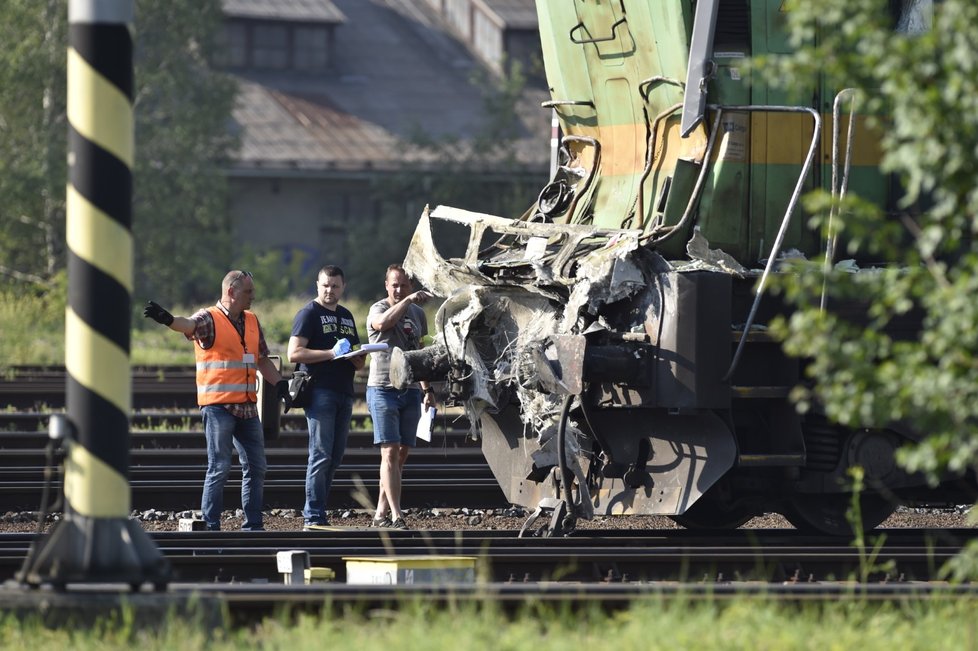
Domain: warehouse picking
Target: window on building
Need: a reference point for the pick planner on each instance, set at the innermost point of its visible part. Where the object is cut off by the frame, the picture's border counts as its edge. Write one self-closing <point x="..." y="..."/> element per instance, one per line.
<point x="271" y="46"/>
<point x="248" y="43"/>
<point x="232" y="46"/>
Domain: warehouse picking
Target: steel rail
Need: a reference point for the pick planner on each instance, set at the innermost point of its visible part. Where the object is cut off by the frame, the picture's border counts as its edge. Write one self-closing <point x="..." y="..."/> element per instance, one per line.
<point x="596" y="557"/>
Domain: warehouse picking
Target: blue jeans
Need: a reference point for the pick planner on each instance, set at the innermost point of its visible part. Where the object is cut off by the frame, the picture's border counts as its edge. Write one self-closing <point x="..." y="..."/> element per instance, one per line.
<point x="328" y="415"/>
<point x="221" y="430"/>
<point x="395" y="414"/>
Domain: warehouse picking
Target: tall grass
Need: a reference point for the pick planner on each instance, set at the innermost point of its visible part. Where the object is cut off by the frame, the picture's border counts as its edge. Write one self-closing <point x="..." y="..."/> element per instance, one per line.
<point x="152" y="344"/>
<point x="649" y="625"/>
<point x="32" y="329"/>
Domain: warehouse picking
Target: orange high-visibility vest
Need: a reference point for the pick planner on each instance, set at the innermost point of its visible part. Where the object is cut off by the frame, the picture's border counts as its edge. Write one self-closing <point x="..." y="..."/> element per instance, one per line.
<point x="227" y="371"/>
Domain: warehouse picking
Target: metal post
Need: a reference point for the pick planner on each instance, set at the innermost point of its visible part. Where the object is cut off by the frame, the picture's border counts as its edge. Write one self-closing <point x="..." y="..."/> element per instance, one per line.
<point x="96" y="541"/>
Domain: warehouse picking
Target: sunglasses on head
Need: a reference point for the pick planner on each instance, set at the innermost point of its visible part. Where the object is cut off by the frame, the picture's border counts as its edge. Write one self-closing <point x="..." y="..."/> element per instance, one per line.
<point x="238" y="276"/>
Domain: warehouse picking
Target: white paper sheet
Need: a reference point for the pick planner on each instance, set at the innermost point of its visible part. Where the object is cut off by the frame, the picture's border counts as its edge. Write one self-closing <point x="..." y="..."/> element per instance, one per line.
<point x="363" y="350"/>
<point x="424" y="424"/>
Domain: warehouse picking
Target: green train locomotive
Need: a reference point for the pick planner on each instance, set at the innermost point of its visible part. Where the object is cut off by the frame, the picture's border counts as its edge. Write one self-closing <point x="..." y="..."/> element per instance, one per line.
<point x="609" y="344"/>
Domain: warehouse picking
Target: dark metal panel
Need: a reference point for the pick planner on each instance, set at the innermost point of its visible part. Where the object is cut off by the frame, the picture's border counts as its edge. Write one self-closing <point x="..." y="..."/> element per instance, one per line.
<point x="700" y="64"/>
<point x="694" y="341"/>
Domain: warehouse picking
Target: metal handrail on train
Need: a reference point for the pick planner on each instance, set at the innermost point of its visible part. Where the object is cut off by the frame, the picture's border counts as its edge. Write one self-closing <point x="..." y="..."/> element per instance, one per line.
<point x="653" y="137"/>
<point x="838" y="191"/>
<point x="554" y="103"/>
<point x="614" y="28"/>
<point x="650" y="160"/>
<point x="785" y="221"/>
<point x="698" y="188"/>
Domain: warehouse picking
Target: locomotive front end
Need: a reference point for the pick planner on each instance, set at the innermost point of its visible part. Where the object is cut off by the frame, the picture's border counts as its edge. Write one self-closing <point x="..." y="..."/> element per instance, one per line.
<point x="610" y="345"/>
<point x="561" y="337"/>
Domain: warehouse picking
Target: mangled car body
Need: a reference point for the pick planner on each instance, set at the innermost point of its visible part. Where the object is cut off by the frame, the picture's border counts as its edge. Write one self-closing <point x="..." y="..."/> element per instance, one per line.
<point x="609" y="344"/>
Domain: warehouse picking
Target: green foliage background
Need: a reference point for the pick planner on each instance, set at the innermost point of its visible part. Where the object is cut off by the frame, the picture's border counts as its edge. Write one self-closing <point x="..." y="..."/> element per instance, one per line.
<point x="922" y="88"/>
<point x="32" y="139"/>
<point x="919" y="89"/>
<point x="181" y="107"/>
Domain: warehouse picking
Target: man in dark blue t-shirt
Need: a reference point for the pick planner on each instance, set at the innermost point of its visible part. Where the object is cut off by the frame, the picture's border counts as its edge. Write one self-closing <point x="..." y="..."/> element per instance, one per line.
<point x="322" y="331"/>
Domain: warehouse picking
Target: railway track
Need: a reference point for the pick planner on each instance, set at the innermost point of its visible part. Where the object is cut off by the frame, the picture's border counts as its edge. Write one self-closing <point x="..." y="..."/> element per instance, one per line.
<point x="451" y="424"/>
<point x="43" y="387"/>
<point x="609" y="556"/>
<point x="170" y="477"/>
<point x="177" y="488"/>
<point x="168" y="458"/>
<point x="611" y="568"/>
<point x="181" y="437"/>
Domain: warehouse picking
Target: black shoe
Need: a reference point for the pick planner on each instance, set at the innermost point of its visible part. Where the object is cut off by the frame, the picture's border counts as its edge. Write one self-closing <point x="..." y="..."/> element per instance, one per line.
<point x="384" y="522"/>
<point x="399" y="524"/>
<point x="316" y="526"/>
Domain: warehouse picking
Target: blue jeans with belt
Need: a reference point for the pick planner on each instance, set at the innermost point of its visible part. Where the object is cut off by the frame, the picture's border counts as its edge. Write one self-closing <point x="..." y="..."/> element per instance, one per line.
<point x="328" y="416"/>
<point x="222" y="431"/>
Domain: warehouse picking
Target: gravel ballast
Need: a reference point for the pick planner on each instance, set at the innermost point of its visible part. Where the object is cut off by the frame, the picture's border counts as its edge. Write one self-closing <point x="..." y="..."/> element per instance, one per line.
<point x="476" y="519"/>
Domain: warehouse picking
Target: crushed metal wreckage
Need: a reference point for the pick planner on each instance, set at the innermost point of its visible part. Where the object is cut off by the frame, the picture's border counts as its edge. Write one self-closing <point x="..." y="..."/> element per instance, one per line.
<point x="545" y="310"/>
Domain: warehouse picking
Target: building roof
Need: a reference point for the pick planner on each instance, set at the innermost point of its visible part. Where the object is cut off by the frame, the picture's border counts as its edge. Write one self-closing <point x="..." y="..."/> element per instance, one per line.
<point x="397" y="75"/>
<point x="320" y="11"/>
<point x="512" y="14"/>
<point x="304" y="131"/>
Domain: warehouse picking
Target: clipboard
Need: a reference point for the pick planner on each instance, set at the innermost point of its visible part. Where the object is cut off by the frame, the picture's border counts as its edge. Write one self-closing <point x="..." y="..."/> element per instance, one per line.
<point x="362" y="350"/>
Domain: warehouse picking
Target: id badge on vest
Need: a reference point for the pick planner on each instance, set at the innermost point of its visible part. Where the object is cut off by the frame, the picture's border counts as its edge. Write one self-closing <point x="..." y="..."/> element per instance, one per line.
<point x="248" y="358"/>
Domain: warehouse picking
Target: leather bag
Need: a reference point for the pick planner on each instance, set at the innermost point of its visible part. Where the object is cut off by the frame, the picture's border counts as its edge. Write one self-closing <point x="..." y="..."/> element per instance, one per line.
<point x="300" y="389"/>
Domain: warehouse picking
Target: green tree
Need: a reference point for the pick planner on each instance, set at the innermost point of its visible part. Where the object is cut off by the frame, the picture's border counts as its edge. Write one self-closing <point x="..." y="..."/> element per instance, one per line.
<point x="182" y="110"/>
<point x="914" y="64"/>
<point x="32" y="140"/>
<point x="183" y="141"/>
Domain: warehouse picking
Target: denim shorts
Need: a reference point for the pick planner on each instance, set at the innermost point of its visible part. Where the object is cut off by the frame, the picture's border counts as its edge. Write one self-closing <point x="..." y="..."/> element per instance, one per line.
<point x="395" y="415"/>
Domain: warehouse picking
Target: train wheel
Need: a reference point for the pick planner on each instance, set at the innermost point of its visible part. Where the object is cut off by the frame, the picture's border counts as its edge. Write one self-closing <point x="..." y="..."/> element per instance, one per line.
<point x="711" y="514"/>
<point x="827" y="513"/>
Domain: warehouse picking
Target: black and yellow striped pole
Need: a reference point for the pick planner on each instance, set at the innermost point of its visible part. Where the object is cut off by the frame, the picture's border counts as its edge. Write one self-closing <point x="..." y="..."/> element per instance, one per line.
<point x="96" y="541"/>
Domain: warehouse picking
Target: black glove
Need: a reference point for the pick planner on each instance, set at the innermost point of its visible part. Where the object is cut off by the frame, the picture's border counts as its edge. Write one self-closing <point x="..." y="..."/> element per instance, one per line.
<point x="157" y="313"/>
<point x="284" y="395"/>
